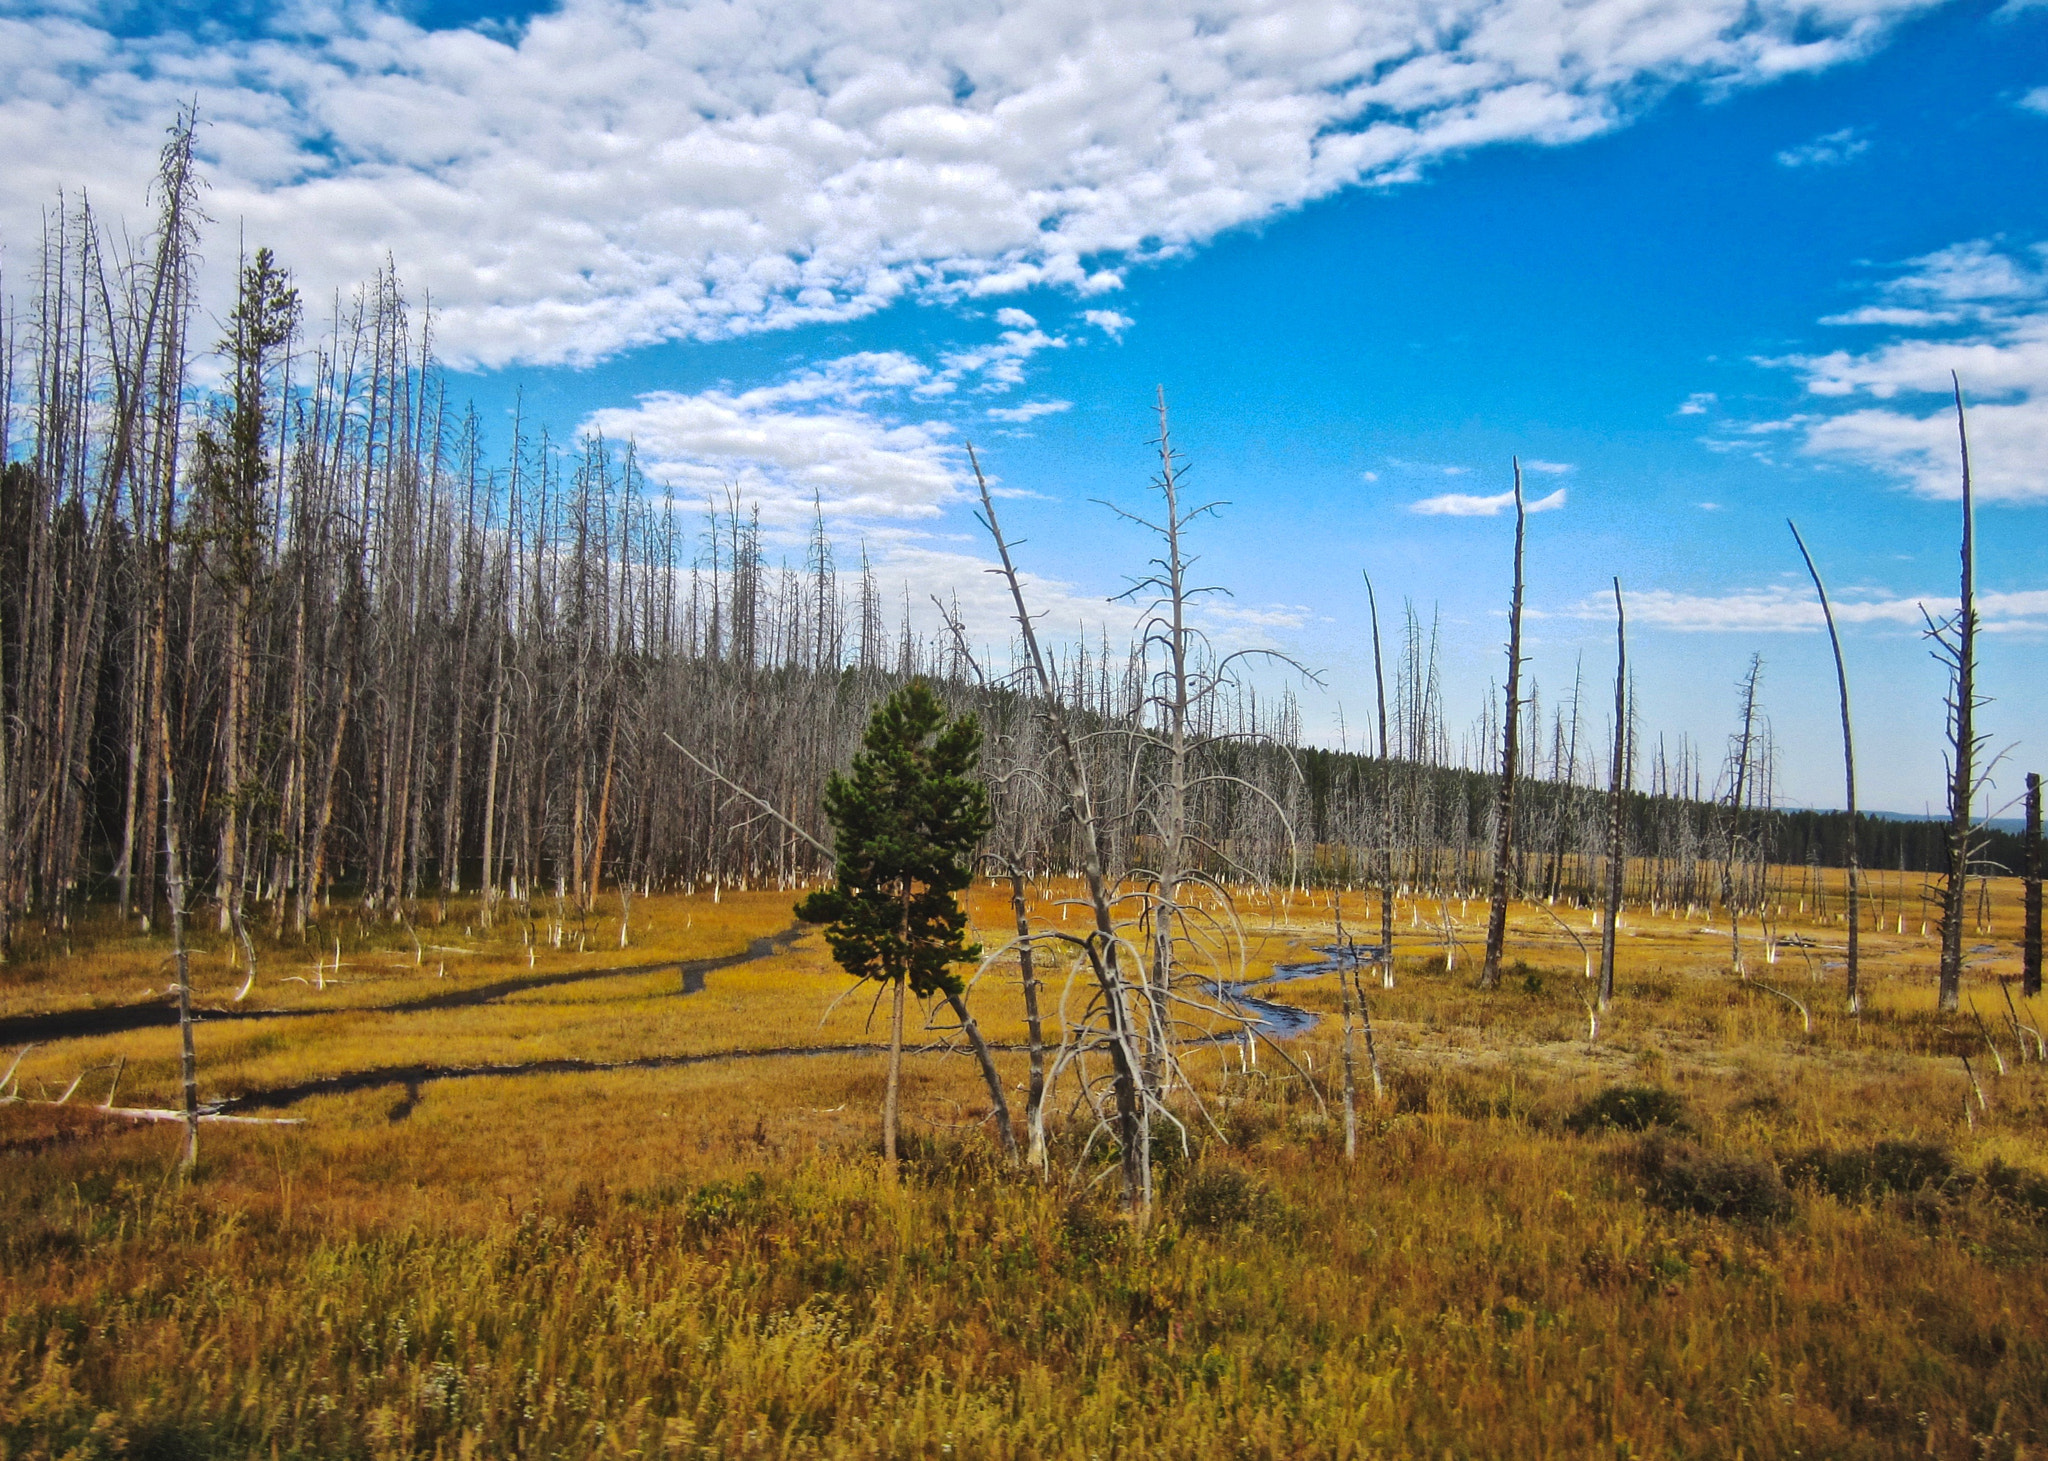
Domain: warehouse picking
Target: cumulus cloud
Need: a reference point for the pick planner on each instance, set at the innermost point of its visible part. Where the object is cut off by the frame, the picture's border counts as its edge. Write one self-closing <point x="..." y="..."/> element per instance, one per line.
<point x="618" y="172"/>
<point x="1465" y="504"/>
<point x="1789" y="609"/>
<point x="1991" y="302"/>
<point x="1828" y="151"/>
<point x="2036" y="100"/>
<point x="783" y="456"/>
<point x="862" y="434"/>
<point x="1108" y="321"/>
<point x="1699" y="403"/>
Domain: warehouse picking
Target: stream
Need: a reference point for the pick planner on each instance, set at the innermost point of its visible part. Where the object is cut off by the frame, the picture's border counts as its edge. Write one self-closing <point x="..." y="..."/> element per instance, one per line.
<point x="1271" y="1018"/>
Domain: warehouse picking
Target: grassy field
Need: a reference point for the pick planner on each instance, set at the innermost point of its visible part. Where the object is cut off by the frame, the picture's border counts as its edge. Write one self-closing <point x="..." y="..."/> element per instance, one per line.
<point x="677" y="1239"/>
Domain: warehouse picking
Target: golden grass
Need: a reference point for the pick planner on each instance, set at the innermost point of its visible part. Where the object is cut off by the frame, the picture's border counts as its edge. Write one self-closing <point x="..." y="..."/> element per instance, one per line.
<point x="705" y="1259"/>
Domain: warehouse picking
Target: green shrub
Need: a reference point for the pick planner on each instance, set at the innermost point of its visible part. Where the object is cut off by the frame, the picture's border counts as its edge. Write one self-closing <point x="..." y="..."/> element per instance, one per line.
<point x="1687" y="1178"/>
<point x="2017" y="1186"/>
<point x="1217" y="1196"/>
<point x="1886" y="1168"/>
<point x="716" y="1206"/>
<point x="1629" y="1108"/>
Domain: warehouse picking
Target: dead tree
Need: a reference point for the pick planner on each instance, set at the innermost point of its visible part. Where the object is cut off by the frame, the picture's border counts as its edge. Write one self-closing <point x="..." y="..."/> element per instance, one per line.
<point x="1855" y="990"/>
<point x="1617" y="790"/>
<point x="1504" y="802"/>
<point x="1955" y="647"/>
<point x="1103" y="946"/>
<point x="1741" y="758"/>
<point x="2030" y="975"/>
<point x="1387" y="824"/>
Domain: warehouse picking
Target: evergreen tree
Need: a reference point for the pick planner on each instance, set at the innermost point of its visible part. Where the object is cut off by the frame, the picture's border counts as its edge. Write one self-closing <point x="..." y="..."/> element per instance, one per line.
<point x="905" y="822"/>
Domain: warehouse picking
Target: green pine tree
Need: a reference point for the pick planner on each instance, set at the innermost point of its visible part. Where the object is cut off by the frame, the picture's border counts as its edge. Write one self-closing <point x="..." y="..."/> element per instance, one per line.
<point x="906" y="821"/>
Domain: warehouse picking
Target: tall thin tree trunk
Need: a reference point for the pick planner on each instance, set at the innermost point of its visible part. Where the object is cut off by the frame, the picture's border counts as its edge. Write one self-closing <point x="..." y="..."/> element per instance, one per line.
<point x="2030" y="948"/>
<point x="1855" y="986"/>
<point x="1379" y="680"/>
<point x="1034" y="1093"/>
<point x="1504" y="828"/>
<point x="174" y="877"/>
<point x="1617" y="854"/>
<point x="999" y="1107"/>
<point x="891" y="1095"/>
<point x="1962" y="742"/>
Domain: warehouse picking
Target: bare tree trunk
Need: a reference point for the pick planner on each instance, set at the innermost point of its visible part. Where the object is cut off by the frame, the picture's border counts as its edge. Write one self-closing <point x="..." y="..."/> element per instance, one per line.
<point x="2030" y="967"/>
<point x="1034" y="1094"/>
<point x="174" y="877"/>
<point x="490" y="867"/>
<point x="1617" y="854"/>
<point x="1379" y="679"/>
<point x="1961" y="653"/>
<point x="1504" y="828"/>
<point x="1347" y="970"/>
<point x="1738" y="792"/>
<point x="999" y="1108"/>
<point x="1855" y="987"/>
<point x="890" y="1095"/>
<point x="1133" y="1131"/>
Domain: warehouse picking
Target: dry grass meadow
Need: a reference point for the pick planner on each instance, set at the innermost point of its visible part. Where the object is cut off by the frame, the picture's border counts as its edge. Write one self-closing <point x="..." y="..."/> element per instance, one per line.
<point x="677" y="1240"/>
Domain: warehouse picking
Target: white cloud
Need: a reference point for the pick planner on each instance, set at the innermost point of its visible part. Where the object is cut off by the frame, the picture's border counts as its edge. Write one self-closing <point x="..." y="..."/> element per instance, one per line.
<point x="1001" y="363"/>
<point x="2036" y="100"/>
<point x="860" y="464"/>
<point x="1547" y="469"/>
<point x="1464" y="504"/>
<point x="1884" y="314"/>
<point x="1826" y="151"/>
<point x="1029" y="411"/>
<point x="1108" y="321"/>
<point x="1995" y="300"/>
<point x="1699" y="403"/>
<point x="1783" y="609"/>
<point x="616" y="172"/>
<point x="1016" y="319"/>
<point x="1065" y="614"/>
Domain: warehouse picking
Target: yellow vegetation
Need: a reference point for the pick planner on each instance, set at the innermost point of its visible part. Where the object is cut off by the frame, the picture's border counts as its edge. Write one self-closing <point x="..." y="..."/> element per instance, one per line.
<point x="704" y="1259"/>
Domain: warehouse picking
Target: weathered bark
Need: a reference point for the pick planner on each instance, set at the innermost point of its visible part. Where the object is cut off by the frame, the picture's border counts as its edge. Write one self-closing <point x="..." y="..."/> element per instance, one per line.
<point x="1133" y="1130"/>
<point x="1959" y="647"/>
<point x="999" y="1107"/>
<point x="2030" y="943"/>
<point x="1854" y="982"/>
<point x="1617" y="853"/>
<point x="1504" y="802"/>
<point x="188" y="1063"/>
<point x="1386" y="869"/>
<point x="891" y="1098"/>
<point x="1034" y="1032"/>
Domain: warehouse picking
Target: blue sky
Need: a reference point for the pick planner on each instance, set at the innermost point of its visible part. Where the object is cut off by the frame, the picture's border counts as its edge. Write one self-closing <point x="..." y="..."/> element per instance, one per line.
<point x="1700" y="265"/>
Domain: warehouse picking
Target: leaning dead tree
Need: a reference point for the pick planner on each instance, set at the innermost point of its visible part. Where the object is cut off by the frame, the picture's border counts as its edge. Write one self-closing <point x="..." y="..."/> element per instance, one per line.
<point x="1125" y="1005"/>
<point x="1504" y="802"/>
<point x="1855" y="992"/>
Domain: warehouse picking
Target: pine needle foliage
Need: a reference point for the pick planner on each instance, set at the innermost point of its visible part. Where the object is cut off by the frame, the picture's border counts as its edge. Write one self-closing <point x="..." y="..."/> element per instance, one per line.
<point x="906" y="820"/>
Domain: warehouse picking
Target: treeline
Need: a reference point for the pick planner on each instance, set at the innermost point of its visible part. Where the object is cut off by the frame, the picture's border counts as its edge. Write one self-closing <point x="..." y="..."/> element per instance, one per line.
<point x="1560" y="829"/>
<point x="305" y="629"/>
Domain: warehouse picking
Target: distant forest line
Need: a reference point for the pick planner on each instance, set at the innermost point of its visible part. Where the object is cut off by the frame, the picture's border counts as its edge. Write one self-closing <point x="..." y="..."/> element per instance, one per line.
<point x="303" y="631"/>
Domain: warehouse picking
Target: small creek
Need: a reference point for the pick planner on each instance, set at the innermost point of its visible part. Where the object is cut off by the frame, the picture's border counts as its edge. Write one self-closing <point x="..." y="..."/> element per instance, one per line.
<point x="1277" y="1021"/>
